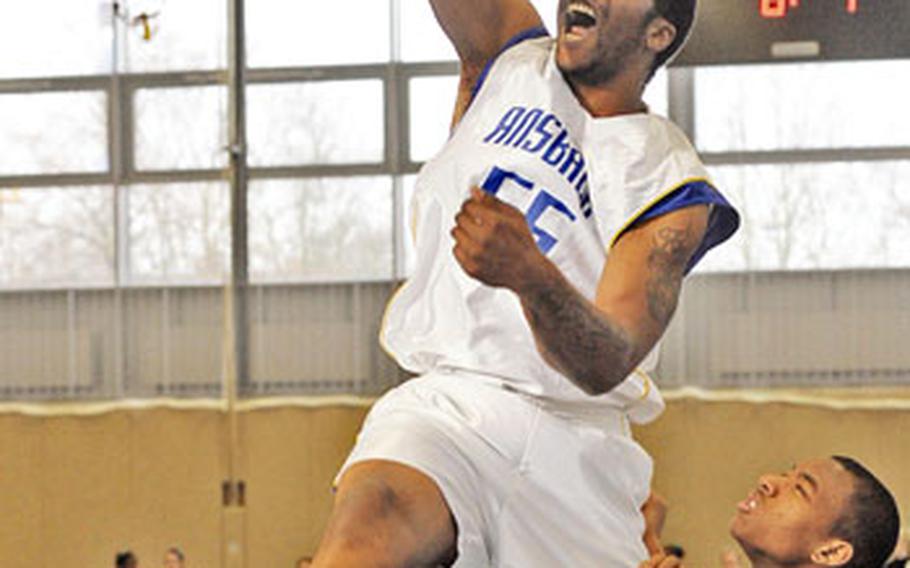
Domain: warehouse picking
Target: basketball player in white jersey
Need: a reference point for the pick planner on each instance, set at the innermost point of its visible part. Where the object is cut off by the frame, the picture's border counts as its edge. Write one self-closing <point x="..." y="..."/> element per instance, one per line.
<point x="553" y="232"/>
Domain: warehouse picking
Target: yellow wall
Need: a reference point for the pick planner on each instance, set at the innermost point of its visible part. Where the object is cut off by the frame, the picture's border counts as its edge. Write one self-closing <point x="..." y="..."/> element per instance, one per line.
<point x="77" y="488"/>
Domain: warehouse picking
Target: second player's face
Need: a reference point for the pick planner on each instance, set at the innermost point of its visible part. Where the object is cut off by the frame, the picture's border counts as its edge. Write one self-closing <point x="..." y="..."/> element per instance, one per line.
<point x="790" y="514"/>
<point x="597" y="38"/>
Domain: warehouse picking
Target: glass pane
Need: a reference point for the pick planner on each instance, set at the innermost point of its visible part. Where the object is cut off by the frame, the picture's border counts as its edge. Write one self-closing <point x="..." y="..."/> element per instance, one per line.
<point x="816" y="216"/>
<point x="432" y="104"/>
<point x="289" y="34"/>
<point x="768" y="107"/>
<point x="37" y="127"/>
<point x="333" y="122"/>
<point x="68" y="38"/>
<point x="423" y="40"/>
<point x="56" y="237"/>
<point x="321" y="229"/>
<point x="178" y="232"/>
<point x="181" y="35"/>
<point x="179" y="129"/>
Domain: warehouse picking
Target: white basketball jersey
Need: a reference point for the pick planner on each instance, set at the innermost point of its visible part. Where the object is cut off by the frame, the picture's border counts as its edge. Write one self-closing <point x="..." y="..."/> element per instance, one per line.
<point x="580" y="181"/>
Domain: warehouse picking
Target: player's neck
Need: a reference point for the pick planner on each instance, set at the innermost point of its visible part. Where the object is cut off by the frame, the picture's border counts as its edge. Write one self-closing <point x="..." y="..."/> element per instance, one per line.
<point x="621" y="95"/>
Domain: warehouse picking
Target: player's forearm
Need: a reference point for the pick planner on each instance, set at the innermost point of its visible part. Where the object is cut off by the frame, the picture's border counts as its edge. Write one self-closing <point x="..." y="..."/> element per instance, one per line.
<point x="574" y="336"/>
<point x="479" y="28"/>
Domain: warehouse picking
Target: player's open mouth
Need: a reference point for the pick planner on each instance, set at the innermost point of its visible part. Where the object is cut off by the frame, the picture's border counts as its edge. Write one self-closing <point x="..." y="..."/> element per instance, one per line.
<point x="578" y="20"/>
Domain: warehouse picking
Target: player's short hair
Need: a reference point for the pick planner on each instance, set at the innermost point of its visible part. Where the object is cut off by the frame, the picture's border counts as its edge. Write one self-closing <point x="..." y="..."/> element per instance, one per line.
<point x="122" y="560"/>
<point x="871" y="522"/>
<point x="680" y="13"/>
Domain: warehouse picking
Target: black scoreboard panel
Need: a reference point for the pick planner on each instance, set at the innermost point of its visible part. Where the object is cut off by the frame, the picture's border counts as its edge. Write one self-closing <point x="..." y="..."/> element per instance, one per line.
<point x="760" y="31"/>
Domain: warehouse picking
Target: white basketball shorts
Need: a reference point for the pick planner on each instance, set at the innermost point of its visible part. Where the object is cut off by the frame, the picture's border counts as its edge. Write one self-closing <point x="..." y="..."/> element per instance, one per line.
<point x="530" y="484"/>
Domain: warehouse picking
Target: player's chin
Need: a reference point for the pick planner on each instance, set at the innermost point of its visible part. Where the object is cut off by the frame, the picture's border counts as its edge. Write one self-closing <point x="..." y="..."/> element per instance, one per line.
<point x="739" y="527"/>
<point x="571" y="58"/>
<point x="567" y="60"/>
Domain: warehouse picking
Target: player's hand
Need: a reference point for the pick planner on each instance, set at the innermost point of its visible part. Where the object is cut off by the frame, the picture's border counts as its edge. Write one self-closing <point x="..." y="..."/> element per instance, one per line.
<point x="662" y="560"/>
<point x="493" y="243"/>
<point x="655" y="513"/>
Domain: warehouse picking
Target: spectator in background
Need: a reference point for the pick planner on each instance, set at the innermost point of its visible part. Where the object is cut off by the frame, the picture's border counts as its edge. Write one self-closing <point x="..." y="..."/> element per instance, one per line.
<point x="304" y="562"/>
<point x="126" y="560"/>
<point x="675" y="550"/>
<point x="173" y="558"/>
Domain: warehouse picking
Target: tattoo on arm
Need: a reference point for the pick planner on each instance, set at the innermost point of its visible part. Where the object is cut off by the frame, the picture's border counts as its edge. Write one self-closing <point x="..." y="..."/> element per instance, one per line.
<point x="582" y="342"/>
<point x="575" y="337"/>
<point x="666" y="263"/>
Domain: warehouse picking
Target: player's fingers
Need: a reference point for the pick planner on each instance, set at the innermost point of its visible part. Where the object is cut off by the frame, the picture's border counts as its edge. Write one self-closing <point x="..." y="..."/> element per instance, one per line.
<point x="466" y="261"/>
<point x="478" y="213"/>
<point x="493" y="206"/>
<point x="468" y="222"/>
<point x="488" y="200"/>
<point x="481" y="196"/>
<point x="656" y="561"/>
<point x="469" y="228"/>
<point x="464" y="240"/>
<point x="485" y="199"/>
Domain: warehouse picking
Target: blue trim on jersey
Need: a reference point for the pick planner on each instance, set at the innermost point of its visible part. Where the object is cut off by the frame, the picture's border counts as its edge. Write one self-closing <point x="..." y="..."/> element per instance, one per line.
<point x="530" y="33"/>
<point x="724" y="219"/>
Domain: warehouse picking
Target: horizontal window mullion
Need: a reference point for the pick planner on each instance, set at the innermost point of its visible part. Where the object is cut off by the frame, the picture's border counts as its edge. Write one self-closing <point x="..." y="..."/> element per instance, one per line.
<point x="53" y="84"/>
<point x="219" y="77"/>
<point x="325" y="73"/>
<point x="175" y="176"/>
<point x="806" y="156"/>
<point x="56" y="180"/>
<point x="319" y="170"/>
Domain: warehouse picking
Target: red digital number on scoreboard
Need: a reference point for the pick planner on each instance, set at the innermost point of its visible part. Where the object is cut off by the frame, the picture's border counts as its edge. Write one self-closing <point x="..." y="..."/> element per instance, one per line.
<point x="779" y="8"/>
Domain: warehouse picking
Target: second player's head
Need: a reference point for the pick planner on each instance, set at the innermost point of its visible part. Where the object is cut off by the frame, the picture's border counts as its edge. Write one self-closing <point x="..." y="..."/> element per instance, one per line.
<point x="823" y="512"/>
<point x="600" y="39"/>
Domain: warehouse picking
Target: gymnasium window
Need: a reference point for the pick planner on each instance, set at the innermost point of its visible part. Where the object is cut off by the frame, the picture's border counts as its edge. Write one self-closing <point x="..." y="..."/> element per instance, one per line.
<point x="115" y="231"/>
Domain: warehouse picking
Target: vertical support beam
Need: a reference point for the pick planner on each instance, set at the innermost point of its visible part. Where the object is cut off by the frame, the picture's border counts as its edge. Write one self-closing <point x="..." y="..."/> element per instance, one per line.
<point x="239" y="177"/>
<point x="681" y="103"/>
<point x="116" y="143"/>
<point x="681" y="98"/>
<point x="166" y="330"/>
<point x="71" y="342"/>
<point x="236" y="356"/>
<point x="397" y="135"/>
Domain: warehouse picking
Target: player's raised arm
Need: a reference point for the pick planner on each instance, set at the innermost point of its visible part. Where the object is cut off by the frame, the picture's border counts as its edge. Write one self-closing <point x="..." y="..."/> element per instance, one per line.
<point x="479" y="29"/>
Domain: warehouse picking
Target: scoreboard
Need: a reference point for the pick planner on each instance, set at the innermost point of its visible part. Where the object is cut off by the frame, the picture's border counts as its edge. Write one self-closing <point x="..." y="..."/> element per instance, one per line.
<point x="728" y="32"/>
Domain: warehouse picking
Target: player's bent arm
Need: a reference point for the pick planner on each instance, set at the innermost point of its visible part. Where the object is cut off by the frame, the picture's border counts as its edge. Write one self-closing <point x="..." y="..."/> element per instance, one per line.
<point x="598" y="345"/>
<point x="479" y="29"/>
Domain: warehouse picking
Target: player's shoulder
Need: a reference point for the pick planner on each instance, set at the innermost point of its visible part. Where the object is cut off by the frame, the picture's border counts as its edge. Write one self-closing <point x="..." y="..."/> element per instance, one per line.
<point x="656" y="135"/>
<point x="533" y="52"/>
<point x="651" y="147"/>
